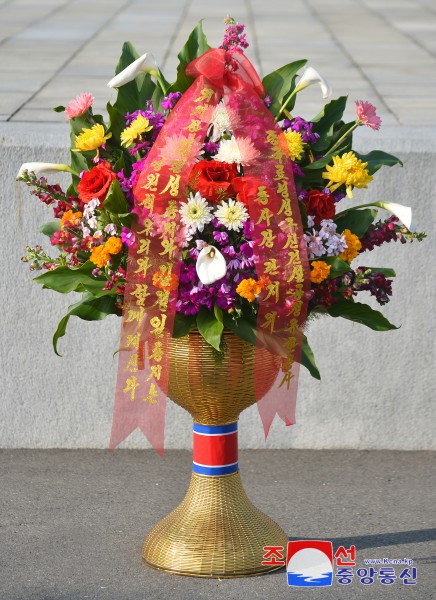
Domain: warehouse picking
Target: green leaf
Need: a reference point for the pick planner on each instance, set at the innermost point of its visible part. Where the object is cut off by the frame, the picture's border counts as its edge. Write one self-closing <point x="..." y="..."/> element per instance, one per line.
<point x="360" y="313"/>
<point x="387" y="272"/>
<point x="242" y="327"/>
<point x="308" y="359"/>
<point x="116" y="125"/>
<point x="330" y="114"/>
<point x="115" y="201"/>
<point x="89" y="309"/>
<point x="280" y="84"/>
<point x="210" y="328"/>
<point x="377" y="159"/>
<point x="67" y="279"/>
<point x="128" y="94"/>
<point x="218" y="313"/>
<point x="357" y="221"/>
<point x="50" y="228"/>
<point x="194" y="47"/>
<point x="183" y="325"/>
<point x="338" y="266"/>
<point x="59" y="109"/>
<point x="318" y="164"/>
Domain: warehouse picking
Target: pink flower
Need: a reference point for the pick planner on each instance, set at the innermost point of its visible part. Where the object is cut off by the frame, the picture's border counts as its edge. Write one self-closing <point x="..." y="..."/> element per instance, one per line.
<point x="366" y="114"/>
<point x="79" y="106"/>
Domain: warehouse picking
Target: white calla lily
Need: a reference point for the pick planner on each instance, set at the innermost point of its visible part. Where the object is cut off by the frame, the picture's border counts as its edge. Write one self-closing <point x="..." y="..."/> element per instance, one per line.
<point x="310" y="77"/>
<point x="144" y="64"/>
<point x="404" y="213"/>
<point x="211" y="265"/>
<point x="40" y="167"/>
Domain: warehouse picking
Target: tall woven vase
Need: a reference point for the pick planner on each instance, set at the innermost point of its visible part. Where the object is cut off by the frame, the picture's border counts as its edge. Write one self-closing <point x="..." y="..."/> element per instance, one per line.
<point x="215" y="531"/>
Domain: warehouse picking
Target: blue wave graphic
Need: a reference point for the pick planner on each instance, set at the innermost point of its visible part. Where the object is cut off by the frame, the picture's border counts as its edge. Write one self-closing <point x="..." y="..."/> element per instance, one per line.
<point x="302" y="579"/>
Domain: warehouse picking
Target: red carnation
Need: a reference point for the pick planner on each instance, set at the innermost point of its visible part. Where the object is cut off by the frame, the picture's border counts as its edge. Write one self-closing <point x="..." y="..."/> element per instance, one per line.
<point x="320" y="206"/>
<point x="96" y="183"/>
<point x="247" y="188"/>
<point x="213" y="179"/>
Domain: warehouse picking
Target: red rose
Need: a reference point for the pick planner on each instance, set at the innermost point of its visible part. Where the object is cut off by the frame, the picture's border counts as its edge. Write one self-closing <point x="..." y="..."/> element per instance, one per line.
<point x="320" y="206"/>
<point x="213" y="179"/>
<point x="96" y="183"/>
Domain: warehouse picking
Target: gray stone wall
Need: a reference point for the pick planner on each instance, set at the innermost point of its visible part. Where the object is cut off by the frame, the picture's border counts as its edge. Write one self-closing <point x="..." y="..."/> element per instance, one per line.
<point x="376" y="389"/>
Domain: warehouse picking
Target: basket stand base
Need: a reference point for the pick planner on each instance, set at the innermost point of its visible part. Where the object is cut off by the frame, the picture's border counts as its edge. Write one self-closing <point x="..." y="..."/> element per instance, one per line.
<point x="215" y="532"/>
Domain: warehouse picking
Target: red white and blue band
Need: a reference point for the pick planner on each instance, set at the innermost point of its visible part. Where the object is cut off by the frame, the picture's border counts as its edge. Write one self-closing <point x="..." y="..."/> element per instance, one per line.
<point x="215" y="449"/>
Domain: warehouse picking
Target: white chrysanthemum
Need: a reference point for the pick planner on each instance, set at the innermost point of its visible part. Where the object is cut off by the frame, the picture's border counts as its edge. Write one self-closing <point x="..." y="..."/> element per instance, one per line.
<point x="237" y="150"/>
<point x="232" y="214"/>
<point x="195" y="213"/>
<point x="221" y="123"/>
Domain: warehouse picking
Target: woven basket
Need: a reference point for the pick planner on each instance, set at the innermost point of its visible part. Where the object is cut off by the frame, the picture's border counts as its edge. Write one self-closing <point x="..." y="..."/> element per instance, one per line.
<point x="216" y="531"/>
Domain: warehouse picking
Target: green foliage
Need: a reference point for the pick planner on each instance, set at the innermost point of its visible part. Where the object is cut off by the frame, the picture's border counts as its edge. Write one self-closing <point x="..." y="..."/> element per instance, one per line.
<point x="280" y="84"/>
<point x="89" y="309"/>
<point x="326" y="121"/>
<point x="183" y="324"/>
<point x="194" y="47"/>
<point x="377" y="159"/>
<point x="50" y="228"/>
<point x="338" y="266"/>
<point x="69" y="279"/>
<point x="115" y="201"/>
<point x="361" y="313"/>
<point x="308" y="359"/>
<point x="357" y="221"/>
<point x="210" y="328"/>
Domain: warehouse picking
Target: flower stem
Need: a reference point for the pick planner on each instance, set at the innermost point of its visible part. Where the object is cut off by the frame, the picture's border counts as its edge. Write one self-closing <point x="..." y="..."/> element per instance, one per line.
<point x="343" y="137"/>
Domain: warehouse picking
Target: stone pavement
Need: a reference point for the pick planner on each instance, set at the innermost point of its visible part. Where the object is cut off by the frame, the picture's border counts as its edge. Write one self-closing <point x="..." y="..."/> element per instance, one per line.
<point x="73" y="522"/>
<point x="382" y="51"/>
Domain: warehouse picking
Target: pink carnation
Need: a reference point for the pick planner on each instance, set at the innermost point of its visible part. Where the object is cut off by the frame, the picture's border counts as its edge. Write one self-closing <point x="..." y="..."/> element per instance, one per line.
<point x="79" y="106"/>
<point x="366" y="114"/>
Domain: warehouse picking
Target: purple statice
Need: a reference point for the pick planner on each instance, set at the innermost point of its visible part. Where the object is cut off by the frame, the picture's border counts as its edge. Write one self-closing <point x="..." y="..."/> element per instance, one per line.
<point x="247" y="229"/>
<point x="296" y="170"/>
<point x="128" y="183"/>
<point x="211" y="147"/>
<point x="234" y="36"/>
<point x="128" y="237"/>
<point x="221" y="237"/>
<point x="267" y="101"/>
<point x="303" y="127"/>
<point x="169" y="101"/>
<point x="302" y="195"/>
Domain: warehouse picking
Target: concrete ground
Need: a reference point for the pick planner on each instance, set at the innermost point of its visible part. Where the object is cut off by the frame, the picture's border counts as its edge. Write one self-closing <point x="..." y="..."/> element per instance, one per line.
<point x="385" y="52"/>
<point x="73" y="522"/>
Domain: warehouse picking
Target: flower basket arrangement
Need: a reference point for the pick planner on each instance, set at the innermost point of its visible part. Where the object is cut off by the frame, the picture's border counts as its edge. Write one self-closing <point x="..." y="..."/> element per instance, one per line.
<point x="207" y="214"/>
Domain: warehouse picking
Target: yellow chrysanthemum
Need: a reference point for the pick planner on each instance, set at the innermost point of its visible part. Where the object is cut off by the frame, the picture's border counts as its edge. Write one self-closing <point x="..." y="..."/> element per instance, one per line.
<point x="353" y="246"/>
<point x="249" y="289"/>
<point x="347" y="170"/>
<point x="139" y="126"/>
<point x="99" y="256"/>
<point x="320" y="271"/>
<point x="91" y="139"/>
<point x="295" y="144"/>
<point x="113" y="245"/>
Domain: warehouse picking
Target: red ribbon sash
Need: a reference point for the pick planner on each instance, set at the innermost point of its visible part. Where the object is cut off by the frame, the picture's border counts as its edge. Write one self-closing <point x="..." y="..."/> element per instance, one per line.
<point x="279" y="252"/>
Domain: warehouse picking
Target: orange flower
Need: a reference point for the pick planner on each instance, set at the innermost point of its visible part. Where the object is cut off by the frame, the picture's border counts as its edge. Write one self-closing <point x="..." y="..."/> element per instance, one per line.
<point x="113" y="245"/>
<point x="320" y="271"/>
<point x="70" y="219"/>
<point x="99" y="256"/>
<point x="353" y="246"/>
<point x="249" y="289"/>
<point x="165" y="281"/>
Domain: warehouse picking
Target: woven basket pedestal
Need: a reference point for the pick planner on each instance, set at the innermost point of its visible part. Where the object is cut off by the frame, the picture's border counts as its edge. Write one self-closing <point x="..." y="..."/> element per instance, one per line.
<point x="215" y="531"/>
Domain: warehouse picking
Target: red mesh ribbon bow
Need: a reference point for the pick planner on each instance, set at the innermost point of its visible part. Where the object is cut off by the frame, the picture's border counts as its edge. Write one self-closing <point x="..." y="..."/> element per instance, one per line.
<point x="154" y="263"/>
